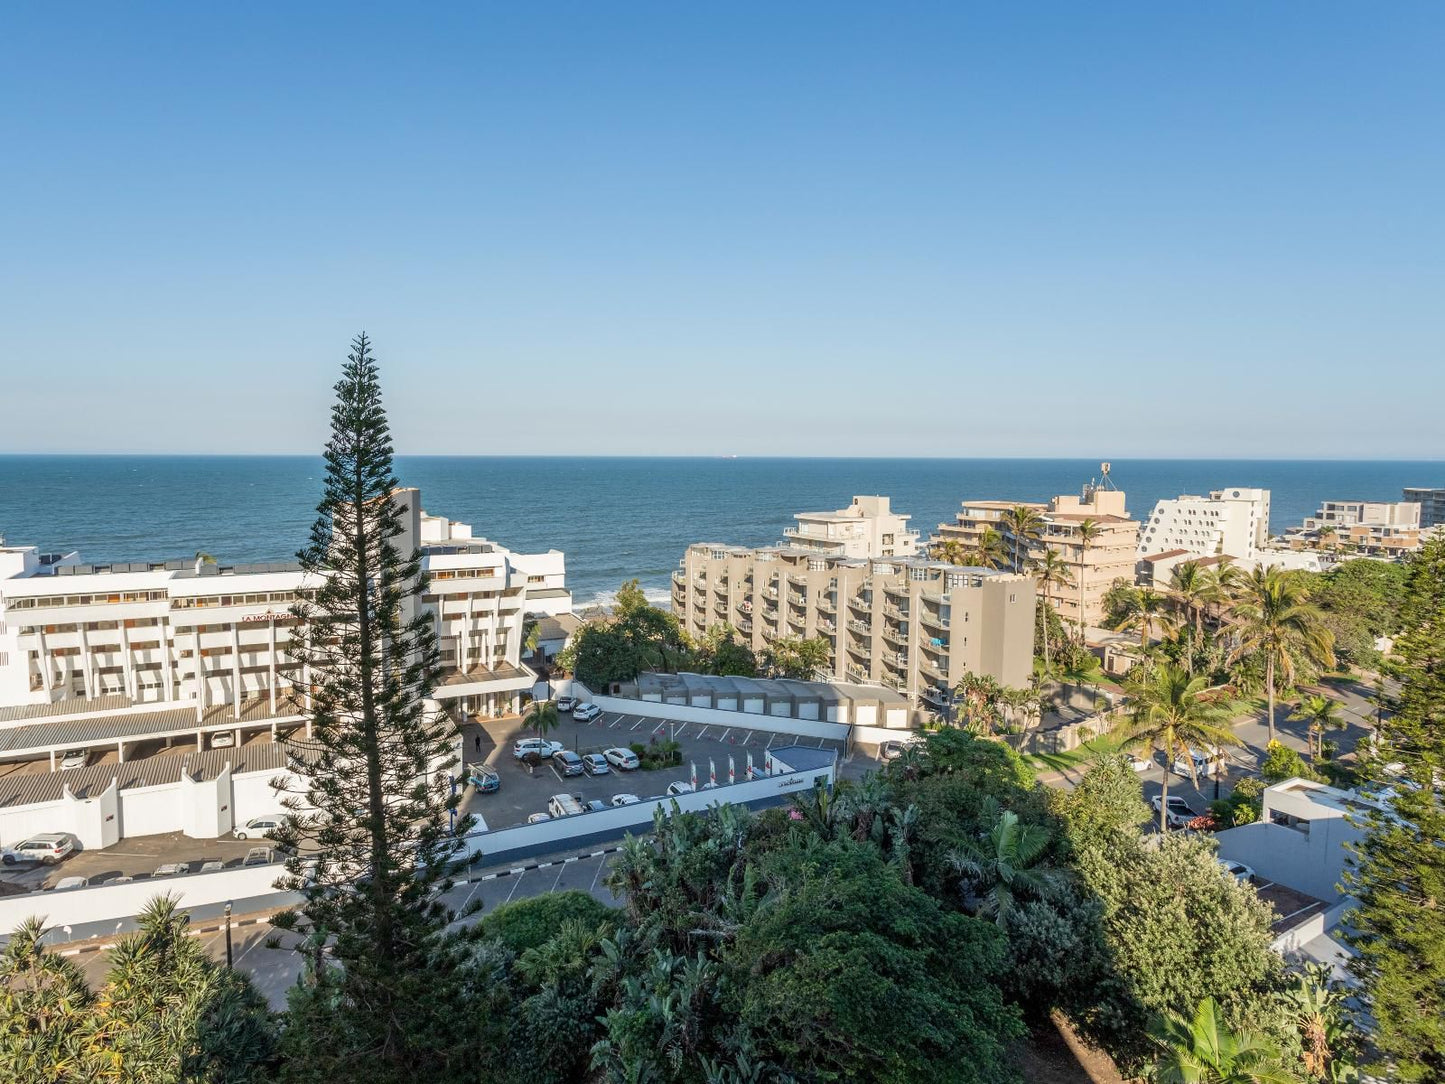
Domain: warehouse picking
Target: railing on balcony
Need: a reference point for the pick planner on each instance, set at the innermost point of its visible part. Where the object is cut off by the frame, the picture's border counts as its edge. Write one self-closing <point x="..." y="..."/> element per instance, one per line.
<point x="826" y="625"/>
<point x="863" y="604"/>
<point x="895" y="635"/>
<point x="771" y="592"/>
<point x="746" y="626"/>
<point x="679" y="576"/>
<point x="858" y="626"/>
<point x="745" y="607"/>
<point x="933" y="618"/>
<point x="827" y="605"/>
<point x="896" y="612"/>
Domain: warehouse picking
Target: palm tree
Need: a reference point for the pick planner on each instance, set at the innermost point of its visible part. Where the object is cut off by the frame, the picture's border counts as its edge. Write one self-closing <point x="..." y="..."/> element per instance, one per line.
<point x="1085" y="532"/>
<point x="1170" y="712"/>
<point x="978" y="697"/>
<point x="1000" y="869"/>
<point x="1145" y="610"/>
<point x="1027" y="527"/>
<point x="1051" y="571"/>
<point x="45" y="1005"/>
<point x="1322" y="713"/>
<point x="1190" y="593"/>
<point x="988" y="550"/>
<point x="204" y="558"/>
<point x="1273" y="617"/>
<point x="544" y="717"/>
<point x="1320" y="1009"/>
<point x="948" y="549"/>
<point x="1205" y="1051"/>
<point x="1326" y="537"/>
<point x="1221" y="585"/>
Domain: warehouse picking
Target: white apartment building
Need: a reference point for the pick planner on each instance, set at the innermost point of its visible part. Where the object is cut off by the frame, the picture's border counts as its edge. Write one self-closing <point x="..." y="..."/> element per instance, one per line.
<point x="1228" y="523"/>
<point x="866" y="528"/>
<point x="1372" y="528"/>
<point x="111" y="656"/>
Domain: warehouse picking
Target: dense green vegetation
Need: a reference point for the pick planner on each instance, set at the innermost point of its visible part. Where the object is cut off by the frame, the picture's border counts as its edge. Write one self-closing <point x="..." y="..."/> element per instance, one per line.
<point x="638" y="636"/>
<point x="1400" y="876"/>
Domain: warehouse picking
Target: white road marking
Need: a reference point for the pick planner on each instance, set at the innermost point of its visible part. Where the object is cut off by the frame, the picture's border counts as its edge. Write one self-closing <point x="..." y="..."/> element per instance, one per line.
<point x="702" y="733"/>
<point x="770" y="741"/>
<point x="659" y="726"/>
<point x="561" y="869"/>
<point x="725" y="734"/>
<point x="596" y="876"/>
<point x="635" y="725"/>
<point x="515" y="883"/>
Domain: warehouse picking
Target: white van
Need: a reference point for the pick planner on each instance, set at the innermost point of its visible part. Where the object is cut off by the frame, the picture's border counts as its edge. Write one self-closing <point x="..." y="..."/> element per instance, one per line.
<point x="1207" y="764"/>
<point x="563" y="805"/>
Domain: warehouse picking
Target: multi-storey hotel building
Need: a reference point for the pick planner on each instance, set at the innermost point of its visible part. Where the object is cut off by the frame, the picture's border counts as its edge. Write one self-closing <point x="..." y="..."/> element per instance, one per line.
<point x="1096" y="564"/>
<point x="96" y="654"/>
<point x="912" y="624"/>
<point x="1227" y="523"/>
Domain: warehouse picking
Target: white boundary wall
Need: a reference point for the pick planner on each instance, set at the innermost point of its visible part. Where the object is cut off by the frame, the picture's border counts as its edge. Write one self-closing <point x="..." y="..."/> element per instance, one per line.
<point x="108" y="903"/>
<point x="78" y="906"/>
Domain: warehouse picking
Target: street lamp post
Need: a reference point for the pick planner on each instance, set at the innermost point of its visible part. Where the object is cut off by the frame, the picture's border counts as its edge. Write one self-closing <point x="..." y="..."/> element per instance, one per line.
<point x="228" y="935"/>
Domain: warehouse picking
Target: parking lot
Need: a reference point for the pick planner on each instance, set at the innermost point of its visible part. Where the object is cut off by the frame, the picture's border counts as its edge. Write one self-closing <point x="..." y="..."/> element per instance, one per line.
<point x="138" y="857"/>
<point x="523" y="793"/>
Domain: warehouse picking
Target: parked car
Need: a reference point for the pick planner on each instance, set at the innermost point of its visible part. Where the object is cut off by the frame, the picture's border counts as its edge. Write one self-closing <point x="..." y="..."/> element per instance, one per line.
<point x="484" y="779"/>
<point x="172" y="869"/>
<point x="625" y="799"/>
<point x="543" y="748"/>
<point x="123" y="879"/>
<point x="595" y="805"/>
<point x="215" y="865"/>
<point x="674" y="789"/>
<point x="585" y="713"/>
<point x="1238" y="870"/>
<point x="566" y="703"/>
<point x="565" y="763"/>
<point x="1207" y="763"/>
<point x="622" y="759"/>
<point x="1178" y="815"/>
<point x="563" y="805"/>
<point x="538" y="818"/>
<point x="259" y="856"/>
<point x="65" y="884"/>
<point x="48" y="849"/>
<point x="257" y="826"/>
<point x="224" y="740"/>
<point x="595" y="764"/>
<point x="75" y="758"/>
<point x="1139" y="764"/>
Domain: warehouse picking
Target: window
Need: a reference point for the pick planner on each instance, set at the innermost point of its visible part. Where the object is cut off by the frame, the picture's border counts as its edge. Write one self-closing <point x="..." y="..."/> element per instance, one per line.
<point x="536" y="579"/>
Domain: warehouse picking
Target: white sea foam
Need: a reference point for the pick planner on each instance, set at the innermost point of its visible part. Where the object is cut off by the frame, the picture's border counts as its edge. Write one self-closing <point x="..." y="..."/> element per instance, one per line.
<point x="605" y="600"/>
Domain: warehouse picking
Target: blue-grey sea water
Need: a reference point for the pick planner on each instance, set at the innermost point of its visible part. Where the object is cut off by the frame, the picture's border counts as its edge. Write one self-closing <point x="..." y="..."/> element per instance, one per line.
<point x="614" y="518"/>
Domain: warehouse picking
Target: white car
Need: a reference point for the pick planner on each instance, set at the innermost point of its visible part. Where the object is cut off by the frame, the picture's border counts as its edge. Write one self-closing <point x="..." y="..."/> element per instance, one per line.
<point x="1206" y="764"/>
<point x="65" y="884"/>
<point x="75" y="758"/>
<point x="566" y="703"/>
<point x="543" y="748"/>
<point x="1139" y="764"/>
<point x="622" y="759"/>
<point x="215" y="865"/>
<point x="223" y="740"/>
<point x="585" y="713"/>
<point x="674" y="789"/>
<point x="625" y="799"/>
<point x="1178" y="814"/>
<point x="1238" y="870"/>
<point x="538" y="818"/>
<point x="46" y="849"/>
<point x="257" y="826"/>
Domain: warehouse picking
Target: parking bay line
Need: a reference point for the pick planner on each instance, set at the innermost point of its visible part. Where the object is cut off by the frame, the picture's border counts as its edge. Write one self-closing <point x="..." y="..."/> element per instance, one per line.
<point x="725" y="734"/>
<point x="637" y="724"/>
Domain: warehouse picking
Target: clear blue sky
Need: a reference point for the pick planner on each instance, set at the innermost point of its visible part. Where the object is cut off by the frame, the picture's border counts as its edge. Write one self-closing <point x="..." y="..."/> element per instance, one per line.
<point x="821" y="229"/>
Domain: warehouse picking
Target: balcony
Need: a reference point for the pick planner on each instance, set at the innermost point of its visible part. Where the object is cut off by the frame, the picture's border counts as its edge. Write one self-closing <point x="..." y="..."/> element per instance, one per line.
<point x="859" y="626"/>
<point x="827" y="605"/>
<point x="857" y="674"/>
<point x="700" y="582"/>
<point x="797" y="602"/>
<point x="721" y="587"/>
<point x="771" y="592"/>
<point x="745" y="607"/>
<point x="862" y="605"/>
<point x="745" y="626"/>
<point x="896" y="613"/>
<point x="895" y="635"/>
<point x="933" y="619"/>
<point x="934" y="668"/>
<point x="826" y="625"/>
<point x="896" y="591"/>
<point x="679" y="577"/>
<point x="720" y="608"/>
<point x="770" y="616"/>
<point x="859" y="650"/>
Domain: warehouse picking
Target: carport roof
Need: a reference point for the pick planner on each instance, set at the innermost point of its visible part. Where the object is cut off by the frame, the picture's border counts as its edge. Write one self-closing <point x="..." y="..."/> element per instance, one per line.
<point x="92" y="781"/>
<point x="803" y="758"/>
<point x="73" y="733"/>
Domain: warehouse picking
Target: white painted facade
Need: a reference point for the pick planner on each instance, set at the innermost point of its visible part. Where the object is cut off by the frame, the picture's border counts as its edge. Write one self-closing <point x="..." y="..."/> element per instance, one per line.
<point x="177" y="633"/>
<point x="1228" y="522"/>
<point x="866" y="528"/>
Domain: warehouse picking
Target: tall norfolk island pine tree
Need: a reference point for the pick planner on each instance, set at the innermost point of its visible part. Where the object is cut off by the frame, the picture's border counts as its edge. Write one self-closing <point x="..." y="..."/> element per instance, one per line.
<point x="376" y="851"/>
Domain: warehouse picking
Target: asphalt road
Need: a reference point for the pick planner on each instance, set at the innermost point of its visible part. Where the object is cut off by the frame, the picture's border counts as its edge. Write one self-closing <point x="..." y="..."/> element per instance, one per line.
<point x="274" y="970"/>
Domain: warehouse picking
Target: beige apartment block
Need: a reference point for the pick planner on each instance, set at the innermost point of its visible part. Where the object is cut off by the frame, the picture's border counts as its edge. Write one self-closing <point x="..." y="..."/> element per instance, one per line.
<point x="912" y="624"/>
<point x="1110" y="556"/>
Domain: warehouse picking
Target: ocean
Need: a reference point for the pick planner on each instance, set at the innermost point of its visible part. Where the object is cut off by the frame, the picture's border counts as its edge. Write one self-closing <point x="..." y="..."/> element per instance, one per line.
<point x="615" y="518"/>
